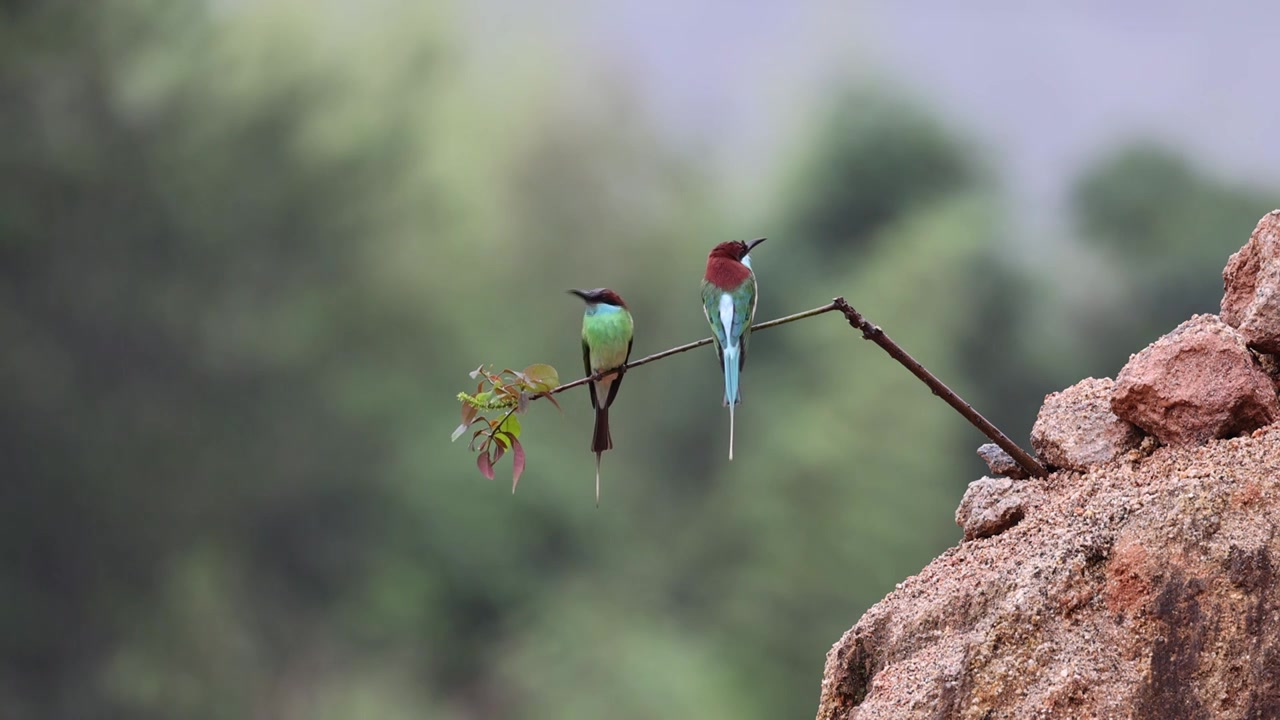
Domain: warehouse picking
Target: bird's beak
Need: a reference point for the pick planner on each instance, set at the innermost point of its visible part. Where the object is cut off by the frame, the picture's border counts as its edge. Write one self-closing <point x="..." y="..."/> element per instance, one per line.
<point x="751" y="244"/>
<point x="580" y="293"/>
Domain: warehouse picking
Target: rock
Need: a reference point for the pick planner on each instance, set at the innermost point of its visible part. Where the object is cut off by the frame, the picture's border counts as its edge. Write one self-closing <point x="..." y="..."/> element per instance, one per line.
<point x="1251" y="283"/>
<point x="1145" y="590"/>
<point x="1195" y="384"/>
<point x="999" y="461"/>
<point x="1076" y="428"/>
<point x="991" y="506"/>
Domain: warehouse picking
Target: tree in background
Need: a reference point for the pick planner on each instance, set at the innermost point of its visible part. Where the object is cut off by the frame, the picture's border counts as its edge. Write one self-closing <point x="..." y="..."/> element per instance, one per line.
<point x="878" y="158"/>
<point x="1166" y="228"/>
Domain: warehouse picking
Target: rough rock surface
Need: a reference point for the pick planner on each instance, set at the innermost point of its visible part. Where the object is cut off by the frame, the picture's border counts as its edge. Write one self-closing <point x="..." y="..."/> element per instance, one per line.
<point x="993" y="505"/>
<point x="1195" y="384"/>
<point x="1136" y="590"/>
<point x="1076" y="428"/>
<point x="1000" y="462"/>
<point x="1251" y="281"/>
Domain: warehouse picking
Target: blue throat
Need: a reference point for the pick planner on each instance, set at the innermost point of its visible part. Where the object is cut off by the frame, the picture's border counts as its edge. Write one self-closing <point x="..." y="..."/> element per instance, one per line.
<point x="598" y="308"/>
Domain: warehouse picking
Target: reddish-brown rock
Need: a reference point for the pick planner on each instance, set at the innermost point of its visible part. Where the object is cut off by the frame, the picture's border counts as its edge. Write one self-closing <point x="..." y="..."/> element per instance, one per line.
<point x="992" y="505"/>
<point x="1195" y="384"/>
<point x="1251" y="283"/>
<point x="1076" y="428"/>
<point x="1145" y="590"/>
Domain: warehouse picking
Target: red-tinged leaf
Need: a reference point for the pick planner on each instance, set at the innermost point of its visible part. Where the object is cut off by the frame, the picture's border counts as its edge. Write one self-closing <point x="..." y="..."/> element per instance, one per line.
<point x="486" y="467"/>
<point x="499" y="453"/>
<point x="503" y="439"/>
<point x="552" y="398"/>
<point x="458" y="431"/>
<point x="517" y="463"/>
<point x="477" y="434"/>
<point x="469" y="413"/>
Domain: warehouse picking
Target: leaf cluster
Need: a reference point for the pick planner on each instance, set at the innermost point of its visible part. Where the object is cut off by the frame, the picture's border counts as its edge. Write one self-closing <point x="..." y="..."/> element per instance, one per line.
<point x="507" y="390"/>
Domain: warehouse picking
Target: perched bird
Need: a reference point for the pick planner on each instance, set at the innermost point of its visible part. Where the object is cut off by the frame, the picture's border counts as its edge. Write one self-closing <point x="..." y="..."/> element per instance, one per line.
<point x="606" y="344"/>
<point x="729" y="302"/>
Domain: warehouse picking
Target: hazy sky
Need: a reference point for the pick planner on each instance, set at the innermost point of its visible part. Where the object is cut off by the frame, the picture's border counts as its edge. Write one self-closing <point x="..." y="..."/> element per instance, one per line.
<point x="1044" y="86"/>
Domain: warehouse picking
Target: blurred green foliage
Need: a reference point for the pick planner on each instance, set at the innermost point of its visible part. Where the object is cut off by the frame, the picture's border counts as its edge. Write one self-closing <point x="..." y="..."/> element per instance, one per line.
<point x="248" y="253"/>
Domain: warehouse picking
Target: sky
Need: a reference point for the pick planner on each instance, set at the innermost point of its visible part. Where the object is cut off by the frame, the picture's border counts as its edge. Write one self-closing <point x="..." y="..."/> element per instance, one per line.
<point x="1044" y="88"/>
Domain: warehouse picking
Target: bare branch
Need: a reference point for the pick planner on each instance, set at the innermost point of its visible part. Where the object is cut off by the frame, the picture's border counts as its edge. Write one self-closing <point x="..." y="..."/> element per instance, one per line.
<point x="877" y="336"/>
<point x="690" y="346"/>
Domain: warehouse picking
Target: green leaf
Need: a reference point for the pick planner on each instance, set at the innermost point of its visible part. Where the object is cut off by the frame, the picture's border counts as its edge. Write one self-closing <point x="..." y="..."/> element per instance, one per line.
<point x="510" y="426"/>
<point x="540" y="377"/>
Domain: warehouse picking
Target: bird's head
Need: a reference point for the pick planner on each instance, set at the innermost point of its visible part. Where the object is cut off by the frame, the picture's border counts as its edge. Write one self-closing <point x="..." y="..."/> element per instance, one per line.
<point x="735" y="249"/>
<point x="599" y="295"/>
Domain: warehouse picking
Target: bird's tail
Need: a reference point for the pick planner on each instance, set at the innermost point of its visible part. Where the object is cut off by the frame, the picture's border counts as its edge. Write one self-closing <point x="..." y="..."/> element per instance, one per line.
<point x="597" y="479"/>
<point x="601" y="440"/>
<point x="731" y="394"/>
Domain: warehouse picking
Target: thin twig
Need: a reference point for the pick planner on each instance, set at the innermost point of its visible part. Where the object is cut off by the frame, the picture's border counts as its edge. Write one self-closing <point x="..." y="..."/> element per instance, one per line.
<point x="877" y="336"/>
<point x="690" y="346"/>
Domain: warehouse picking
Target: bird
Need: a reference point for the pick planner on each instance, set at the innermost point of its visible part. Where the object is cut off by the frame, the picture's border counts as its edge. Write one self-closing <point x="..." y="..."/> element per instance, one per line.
<point x="729" y="303"/>
<point x="607" y="334"/>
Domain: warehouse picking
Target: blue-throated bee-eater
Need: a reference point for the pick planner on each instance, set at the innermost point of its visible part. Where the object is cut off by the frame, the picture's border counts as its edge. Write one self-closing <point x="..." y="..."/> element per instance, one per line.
<point x="607" y="330"/>
<point x="729" y="302"/>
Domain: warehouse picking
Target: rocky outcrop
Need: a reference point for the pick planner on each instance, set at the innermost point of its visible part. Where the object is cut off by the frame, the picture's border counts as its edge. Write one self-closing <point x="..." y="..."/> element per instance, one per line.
<point x="1136" y="582"/>
<point x="1133" y="591"/>
<point x="1251" y="285"/>
<point x="1195" y="384"/>
<point x="1076" y="428"/>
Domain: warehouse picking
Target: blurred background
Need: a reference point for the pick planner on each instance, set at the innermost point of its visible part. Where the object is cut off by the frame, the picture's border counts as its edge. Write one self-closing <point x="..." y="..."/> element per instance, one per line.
<point x="250" y="250"/>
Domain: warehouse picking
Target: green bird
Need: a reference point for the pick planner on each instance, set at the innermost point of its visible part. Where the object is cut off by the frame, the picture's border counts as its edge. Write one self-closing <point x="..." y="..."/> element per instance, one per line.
<point x="607" y="330"/>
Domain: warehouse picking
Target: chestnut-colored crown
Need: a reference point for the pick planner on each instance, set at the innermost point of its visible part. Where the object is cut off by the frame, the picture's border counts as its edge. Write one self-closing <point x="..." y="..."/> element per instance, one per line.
<point x="734" y="249"/>
<point x="600" y="295"/>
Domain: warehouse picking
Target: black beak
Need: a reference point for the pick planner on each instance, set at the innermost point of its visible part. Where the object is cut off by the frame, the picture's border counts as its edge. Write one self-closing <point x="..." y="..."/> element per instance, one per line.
<point x="753" y="243"/>
<point x="584" y="294"/>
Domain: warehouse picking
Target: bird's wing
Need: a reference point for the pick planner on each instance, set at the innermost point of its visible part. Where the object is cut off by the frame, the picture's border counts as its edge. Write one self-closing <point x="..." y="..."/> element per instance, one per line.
<point x="617" y="379"/>
<point x="711" y="309"/>
<point x="586" y="365"/>
<point x="745" y="317"/>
